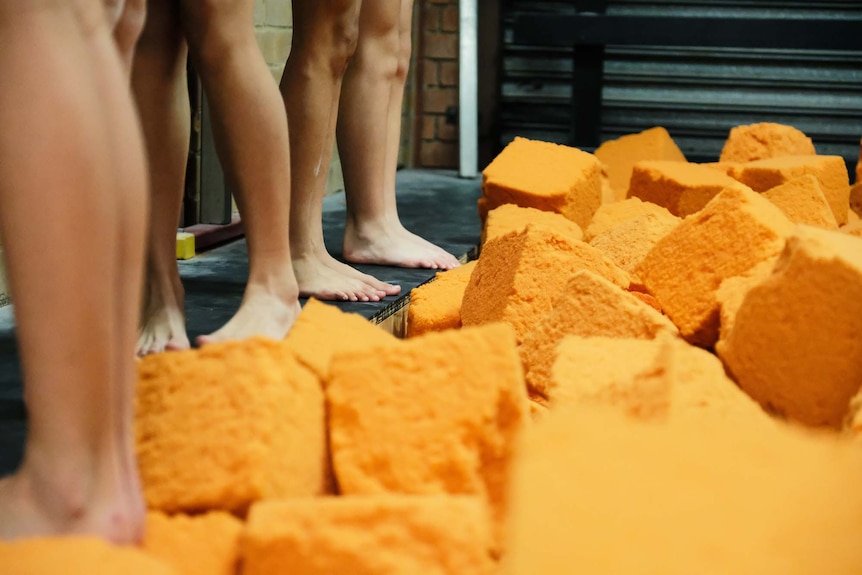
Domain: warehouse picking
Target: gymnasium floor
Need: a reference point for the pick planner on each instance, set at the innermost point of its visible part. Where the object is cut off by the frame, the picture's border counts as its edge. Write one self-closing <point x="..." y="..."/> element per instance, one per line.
<point x="434" y="204"/>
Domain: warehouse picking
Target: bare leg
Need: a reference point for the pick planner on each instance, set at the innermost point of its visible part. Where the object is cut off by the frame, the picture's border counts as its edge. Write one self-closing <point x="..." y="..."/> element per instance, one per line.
<point x="371" y="97"/>
<point x="161" y="91"/>
<point x="324" y="38"/>
<point x="250" y="129"/>
<point x="75" y="279"/>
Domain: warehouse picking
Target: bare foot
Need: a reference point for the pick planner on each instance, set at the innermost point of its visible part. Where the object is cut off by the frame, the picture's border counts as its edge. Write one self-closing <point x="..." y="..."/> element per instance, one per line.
<point x="163" y="321"/>
<point x="44" y="507"/>
<point x="392" y="244"/>
<point x="260" y="313"/>
<point x="326" y="278"/>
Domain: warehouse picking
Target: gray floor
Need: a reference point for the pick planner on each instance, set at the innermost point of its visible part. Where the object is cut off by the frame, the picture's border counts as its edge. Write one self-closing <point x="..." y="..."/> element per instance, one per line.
<point x="434" y="204"/>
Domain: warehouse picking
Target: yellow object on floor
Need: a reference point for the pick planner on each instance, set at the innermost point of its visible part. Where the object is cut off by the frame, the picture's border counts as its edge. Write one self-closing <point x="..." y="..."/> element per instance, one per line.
<point x="185" y="246"/>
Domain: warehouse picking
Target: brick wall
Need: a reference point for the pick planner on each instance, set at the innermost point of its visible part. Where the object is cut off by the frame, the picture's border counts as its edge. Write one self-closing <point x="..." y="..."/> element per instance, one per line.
<point x="437" y="69"/>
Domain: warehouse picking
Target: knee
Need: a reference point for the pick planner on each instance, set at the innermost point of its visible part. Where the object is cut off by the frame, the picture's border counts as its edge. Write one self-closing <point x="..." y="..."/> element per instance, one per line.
<point x="405" y="52"/>
<point x="216" y="27"/>
<point x="329" y="42"/>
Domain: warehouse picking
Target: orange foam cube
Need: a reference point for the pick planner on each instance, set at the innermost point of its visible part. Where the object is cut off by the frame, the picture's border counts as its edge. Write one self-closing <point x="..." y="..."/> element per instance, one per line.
<point x="763" y="141"/>
<point x="612" y="215"/>
<point x="520" y="274"/>
<point x="229" y="424"/>
<point x="830" y="171"/>
<point x="732" y="291"/>
<point x="392" y="534"/>
<point x="622" y="154"/>
<point x="598" y="492"/>
<point x="656" y="379"/>
<point x="809" y="365"/>
<point x="802" y="201"/>
<point x="199" y="545"/>
<point x="733" y="233"/>
<point x="76" y="556"/>
<point x="322" y="330"/>
<point x="545" y="176"/>
<point x="628" y="243"/>
<point x="431" y="415"/>
<point x="853" y="228"/>
<point x="680" y="187"/>
<point x="436" y="305"/>
<point x="588" y="305"/>
<point x="511" y="218"/>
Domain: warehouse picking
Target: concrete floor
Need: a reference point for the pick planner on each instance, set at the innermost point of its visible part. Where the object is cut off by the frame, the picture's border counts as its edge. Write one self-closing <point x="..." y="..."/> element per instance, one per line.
<point x="434" y="204"/>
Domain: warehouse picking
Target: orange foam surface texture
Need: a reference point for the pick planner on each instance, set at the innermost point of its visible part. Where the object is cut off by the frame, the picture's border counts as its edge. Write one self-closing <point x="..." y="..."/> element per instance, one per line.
<point x="649" y="379"/>
<point x="600" y="493"/>
<point x="588" y="305"/>
<point x="195" y="545"/>
<point x="322" y="330"/>
<point x="545" y="176"/>
<point x="802" y="200"/>
<point x="374" y="535"/>
<point x="435" y="414"/>
<point x="620" y="155"/>
<point x="76" y="556"/>
<point x="682" y="188"/>
<point x="732" y="234"/>
<point x="229" y="424"/>
<point x="436" y="305"/>
<point x="511" y="218"/>
<point x="795" y="344"/>
<point x="830" y="171"/>
<point x="763" y="141"/>
<point x="519" y="275"/>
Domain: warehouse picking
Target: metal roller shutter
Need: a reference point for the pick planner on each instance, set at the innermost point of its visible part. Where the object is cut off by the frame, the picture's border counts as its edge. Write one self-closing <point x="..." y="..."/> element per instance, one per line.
<point x="698" y="94"/>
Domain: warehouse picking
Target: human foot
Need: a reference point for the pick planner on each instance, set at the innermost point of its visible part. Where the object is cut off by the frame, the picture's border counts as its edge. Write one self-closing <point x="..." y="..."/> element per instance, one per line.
<point x="261" y="312"/>
<point x="41" y="507"/>
<point x="163" y="321"/>
<point x="325" y="278"/>
<point x="393" y="245"/>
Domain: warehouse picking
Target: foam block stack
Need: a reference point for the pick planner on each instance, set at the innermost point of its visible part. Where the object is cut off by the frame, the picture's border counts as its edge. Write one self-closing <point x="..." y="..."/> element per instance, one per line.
<point x="666" y="382"/>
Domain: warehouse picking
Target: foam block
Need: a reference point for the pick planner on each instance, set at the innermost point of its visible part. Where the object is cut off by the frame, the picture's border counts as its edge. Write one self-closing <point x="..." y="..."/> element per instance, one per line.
<point x="763" y="141"/>
<point x="735" y="232"/>
<point x="185" y="246"/>
<point x="600" y="493"/>
<point x="395" y="535"/>
<point x="200" y="545"/>
<point x="609" y="216"/>
<point x="803" y="202"/>
<point x="436" y="306"/>
<point x="853" y="229"/>
<point x="430" y="415"/>
<point x="229" y="424"/>
<point x="547" y="177"/>
<point x="511" y="218"/>
<point x="622" y="154"/>
<point x="810" y="364"/>
<point x="519" y="275"/>
<point x="588" y="305"/>
<point x="650" y="379"/>
<point x="76" y="556"/>
<point x="322" y="330"/>
<point x="859" y="165"/>
<point x="682" y="188"/>
<point x="628" y="243"/>
<point x="855" y="200"/>
<point x="830" y="171"/>
<point x="732" y="291"/>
